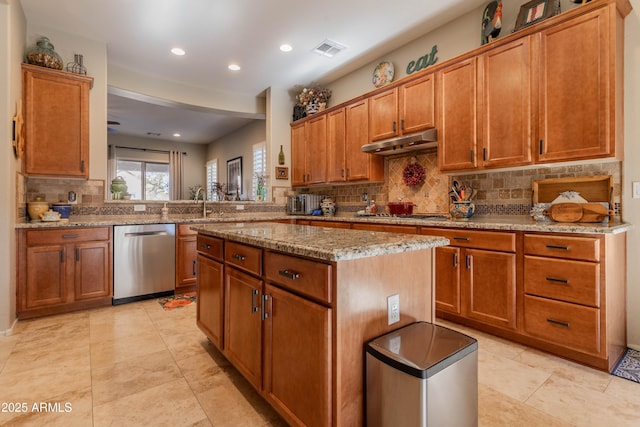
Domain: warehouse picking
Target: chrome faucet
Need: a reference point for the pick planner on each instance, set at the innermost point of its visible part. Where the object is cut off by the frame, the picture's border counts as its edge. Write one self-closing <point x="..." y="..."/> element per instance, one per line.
<point x="204" y="200"/>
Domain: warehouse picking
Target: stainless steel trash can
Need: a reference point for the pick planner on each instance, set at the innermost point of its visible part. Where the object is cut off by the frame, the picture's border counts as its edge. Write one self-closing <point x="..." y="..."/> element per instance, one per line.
<point x="422" y="375"/>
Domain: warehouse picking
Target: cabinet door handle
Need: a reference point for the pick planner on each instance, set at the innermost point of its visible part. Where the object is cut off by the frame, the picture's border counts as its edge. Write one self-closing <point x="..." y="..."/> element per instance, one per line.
<point x="62" y="256"/>
<point x="194" y="268"/>
<point x="484" y="154"/>
<point x="563" y="248"/>
<point x="541" y="146"/>
<point x="394" y="126"/>
<point x="468" y="261"/>
<point x="558" y="322"/>
<point x="288" y="274"/>
<point x="69" y="236"/>
<point x="466" y="239"/>
<point x="82" y="166"/>
<point x="265" y="315"/>
<point x="238" y="257"/>
<point x="471" y="156"/>
<point x="348" y="172"/>
<point x="342" y="173"/>
<point x="455" y="260"/>
<point x="254" y="306"/>
<point x="402" y="124"/>
<point x="555" y="280"/>
<point x="77" y="254"/>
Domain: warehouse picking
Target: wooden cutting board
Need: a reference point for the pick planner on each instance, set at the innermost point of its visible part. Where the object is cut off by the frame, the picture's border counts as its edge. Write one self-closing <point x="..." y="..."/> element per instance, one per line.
<point x="565" y="212"/>
<point x="594" y="212"/>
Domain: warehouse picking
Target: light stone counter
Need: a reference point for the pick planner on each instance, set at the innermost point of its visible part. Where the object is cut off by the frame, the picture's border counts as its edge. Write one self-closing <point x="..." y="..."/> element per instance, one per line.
<point x="329" y="244"/>
<point x="497" y="222"/>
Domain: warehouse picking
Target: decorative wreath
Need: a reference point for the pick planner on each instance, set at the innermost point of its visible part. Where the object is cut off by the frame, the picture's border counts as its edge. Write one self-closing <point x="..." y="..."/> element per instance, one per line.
<point x="413" y="174"/>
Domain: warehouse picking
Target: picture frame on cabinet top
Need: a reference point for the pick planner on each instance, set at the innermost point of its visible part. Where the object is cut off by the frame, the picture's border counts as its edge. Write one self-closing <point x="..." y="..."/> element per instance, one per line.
<point x="534" y="11"/>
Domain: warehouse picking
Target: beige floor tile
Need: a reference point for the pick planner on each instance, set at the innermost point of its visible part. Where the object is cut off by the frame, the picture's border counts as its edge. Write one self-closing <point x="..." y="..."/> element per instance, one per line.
<point x="171" y="404"/>
<point x="576" y="373"/>
<point x="56" y="320"/>
<point x="73" y="409"/>
<point x="122" y="321"/>
<point x="108" y="352"/>
<point x="509" y="377"/>
<point x="201" y="372"/>
<point x="583" y="406"/>
<point x="132" y="376"/>
<point x="59" y="354"/>
<point x="624" y="390"/>
<point x="497" y="410"/>
<point x="7" y="344"/>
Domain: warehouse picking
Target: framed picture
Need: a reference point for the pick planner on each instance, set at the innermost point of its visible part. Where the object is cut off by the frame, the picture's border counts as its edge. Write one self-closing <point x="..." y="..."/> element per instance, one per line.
<point x="234" y="176"/>
<point x="534" y="11"/>
<point x="282" y="172"/>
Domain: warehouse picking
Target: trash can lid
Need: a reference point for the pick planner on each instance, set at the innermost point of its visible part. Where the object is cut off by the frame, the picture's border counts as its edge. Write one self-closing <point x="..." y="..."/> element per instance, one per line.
<point x="422" y="349"/>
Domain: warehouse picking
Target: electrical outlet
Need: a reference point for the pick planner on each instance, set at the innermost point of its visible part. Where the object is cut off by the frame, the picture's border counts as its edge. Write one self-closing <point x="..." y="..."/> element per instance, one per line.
<point x="636" y="190"/>
<point x="139" y="208"/>
<point x="239" y="207"/>
<point x="393" y="309"/>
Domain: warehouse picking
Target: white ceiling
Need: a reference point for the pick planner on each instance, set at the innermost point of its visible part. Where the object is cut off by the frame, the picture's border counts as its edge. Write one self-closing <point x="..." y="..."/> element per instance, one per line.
<point x="215" y="33"/>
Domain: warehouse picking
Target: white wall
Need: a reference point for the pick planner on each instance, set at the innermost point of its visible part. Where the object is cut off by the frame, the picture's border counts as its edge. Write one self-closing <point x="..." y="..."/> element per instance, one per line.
<point x="12" y="42"/>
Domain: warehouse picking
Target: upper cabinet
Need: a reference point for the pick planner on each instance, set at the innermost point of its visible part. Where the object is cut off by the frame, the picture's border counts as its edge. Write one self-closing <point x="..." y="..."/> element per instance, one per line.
<point x="403" y="109"/>
<point x="56" y="117"/>
<point x="309" y="151"/>
<point x="578" y="97"/>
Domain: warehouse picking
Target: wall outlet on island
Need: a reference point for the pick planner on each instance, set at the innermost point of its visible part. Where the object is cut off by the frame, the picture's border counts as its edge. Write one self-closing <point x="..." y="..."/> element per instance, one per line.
<point x="393" y="309"/>
<point x="139" y="208"/>
<point x="239" y="207"/>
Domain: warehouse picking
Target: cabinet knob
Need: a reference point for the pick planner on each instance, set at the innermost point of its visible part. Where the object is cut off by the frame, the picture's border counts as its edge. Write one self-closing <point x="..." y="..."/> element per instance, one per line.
<point x="238" y="257"/>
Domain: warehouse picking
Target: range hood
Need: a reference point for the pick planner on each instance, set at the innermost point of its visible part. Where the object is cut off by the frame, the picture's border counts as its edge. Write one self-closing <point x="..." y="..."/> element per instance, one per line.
<point x="403" y="144"/>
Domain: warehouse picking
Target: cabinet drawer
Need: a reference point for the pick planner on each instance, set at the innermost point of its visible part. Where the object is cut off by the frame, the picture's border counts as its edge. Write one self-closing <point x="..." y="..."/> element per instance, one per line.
<point x="306" y="277"/>
<point x="248" y="258"/>
<point x="493" y="241"/>
<point x="66" y="235"/>
<point x="571" y="281"/>
<point x="569" y="325"/>
<point x="210" y="246"/>
<point x="582" y="248"/>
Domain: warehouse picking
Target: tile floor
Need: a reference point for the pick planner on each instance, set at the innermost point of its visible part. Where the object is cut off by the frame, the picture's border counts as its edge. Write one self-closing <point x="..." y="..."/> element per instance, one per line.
<point x="137" y="365"/>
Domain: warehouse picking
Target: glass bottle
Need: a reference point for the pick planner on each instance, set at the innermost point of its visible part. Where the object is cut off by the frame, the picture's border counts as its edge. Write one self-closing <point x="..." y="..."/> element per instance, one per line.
<point x="43" y="55"/>
<point x="281" y="156"/>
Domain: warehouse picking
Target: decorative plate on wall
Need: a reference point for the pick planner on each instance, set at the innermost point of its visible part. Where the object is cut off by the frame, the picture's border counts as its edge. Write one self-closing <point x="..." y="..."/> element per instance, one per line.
<point x="383" y="74"/>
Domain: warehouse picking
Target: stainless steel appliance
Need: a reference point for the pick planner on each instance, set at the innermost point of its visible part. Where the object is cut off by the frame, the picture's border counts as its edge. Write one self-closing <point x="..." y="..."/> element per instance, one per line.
<point x="144" y="259"/>
<point x="303" y="204"/>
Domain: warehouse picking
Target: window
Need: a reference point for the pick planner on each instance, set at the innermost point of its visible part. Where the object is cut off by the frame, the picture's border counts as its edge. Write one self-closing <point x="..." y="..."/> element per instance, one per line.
<point x="259" y="167"/>
<point x="212" y="180"/>
<point x="145" y="180"/>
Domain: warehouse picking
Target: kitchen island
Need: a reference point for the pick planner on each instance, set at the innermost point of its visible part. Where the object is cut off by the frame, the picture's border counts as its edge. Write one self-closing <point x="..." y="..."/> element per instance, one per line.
<point x="292" y="306"/>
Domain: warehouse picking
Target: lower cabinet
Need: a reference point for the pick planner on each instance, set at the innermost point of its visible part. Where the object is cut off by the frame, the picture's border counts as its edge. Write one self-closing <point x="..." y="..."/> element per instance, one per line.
<point x="185" y="259"/>
<point x="210" y="289"/>
<point x="63" y="270"/>
<point x="476" y="276"/>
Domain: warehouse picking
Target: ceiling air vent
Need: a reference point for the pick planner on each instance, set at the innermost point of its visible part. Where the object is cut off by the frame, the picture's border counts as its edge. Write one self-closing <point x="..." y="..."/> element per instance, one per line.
<point x="329" y="48"/>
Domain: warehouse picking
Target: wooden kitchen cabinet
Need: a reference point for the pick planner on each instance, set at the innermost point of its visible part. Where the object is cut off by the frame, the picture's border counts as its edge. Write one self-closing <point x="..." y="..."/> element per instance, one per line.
<point x="210" y="289"/>
<point x="390" y="228"/>
<point x="403" y="110"/>
<point x="63" y="270"/>
<point x="186" y="259"/>
<point x="580" y="77"/>
<point x="458" y="116"/>
<point x="347" y="132"/>
<point x="56" y="122"/>
<point x="476" y="276"/>
<point x="243" y="324"/>
<point x="309" y="151"/>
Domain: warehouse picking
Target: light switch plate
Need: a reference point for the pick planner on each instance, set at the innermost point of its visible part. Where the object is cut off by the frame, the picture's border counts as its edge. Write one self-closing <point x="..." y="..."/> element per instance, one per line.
<point x="636" y="190"/>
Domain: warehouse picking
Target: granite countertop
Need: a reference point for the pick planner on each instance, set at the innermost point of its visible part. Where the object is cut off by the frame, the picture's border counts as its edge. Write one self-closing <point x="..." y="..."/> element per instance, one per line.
<point x="324" y="243"/>
<point x="497" y="222"/>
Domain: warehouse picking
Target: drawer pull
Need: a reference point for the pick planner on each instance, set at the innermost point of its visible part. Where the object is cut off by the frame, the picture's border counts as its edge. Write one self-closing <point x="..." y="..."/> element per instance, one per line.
<point x="288" y="274"/>
<point x="558" y="322"/>
<point x="553" y="279"/>
<point x="466" y="239"/>
<point x="563" y="248"/>
<point x="238" y="257"/>
<point x="69" y="236"/>
<point x="254" y="306"/>
<point x="205" y="246"/>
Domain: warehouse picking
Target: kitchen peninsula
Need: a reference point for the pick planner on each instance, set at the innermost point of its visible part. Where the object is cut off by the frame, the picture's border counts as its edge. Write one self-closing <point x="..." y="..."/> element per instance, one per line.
<point x="291" y="306"/>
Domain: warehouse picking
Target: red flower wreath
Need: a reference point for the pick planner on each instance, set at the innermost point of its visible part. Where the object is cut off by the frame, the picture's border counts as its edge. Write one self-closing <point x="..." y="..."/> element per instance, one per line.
<point x="413" y="174"/>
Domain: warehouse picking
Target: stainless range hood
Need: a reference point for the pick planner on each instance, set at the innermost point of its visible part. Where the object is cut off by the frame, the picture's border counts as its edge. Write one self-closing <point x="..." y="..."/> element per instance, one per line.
<point x="403" y="144"/>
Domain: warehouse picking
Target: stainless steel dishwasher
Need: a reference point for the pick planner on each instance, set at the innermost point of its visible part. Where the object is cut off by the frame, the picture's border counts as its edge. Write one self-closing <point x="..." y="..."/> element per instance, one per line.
<point x="144" y="260"/>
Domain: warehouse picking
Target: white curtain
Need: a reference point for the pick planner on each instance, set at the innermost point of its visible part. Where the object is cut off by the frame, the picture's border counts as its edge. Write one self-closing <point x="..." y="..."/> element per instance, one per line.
<point x="176" y="166"/>
<point x="111" y="168"/>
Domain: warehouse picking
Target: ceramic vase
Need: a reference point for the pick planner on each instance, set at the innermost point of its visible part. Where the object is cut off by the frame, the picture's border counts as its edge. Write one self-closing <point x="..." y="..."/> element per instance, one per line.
<point x="462" y="210"/>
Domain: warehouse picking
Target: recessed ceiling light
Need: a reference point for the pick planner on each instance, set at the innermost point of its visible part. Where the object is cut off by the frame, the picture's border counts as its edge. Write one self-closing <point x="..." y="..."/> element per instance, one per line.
<point x="286" y="48"/>
<point x="177" y="135"/>
<point x="234" y="67"/>
<point x="178" y="51"/>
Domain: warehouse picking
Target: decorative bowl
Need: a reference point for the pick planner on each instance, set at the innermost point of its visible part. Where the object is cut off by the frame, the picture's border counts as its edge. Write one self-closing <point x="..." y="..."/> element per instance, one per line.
<point x="64" y="209"/>
<point x="401" y="208"/>
<point x="36" y="208"/>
